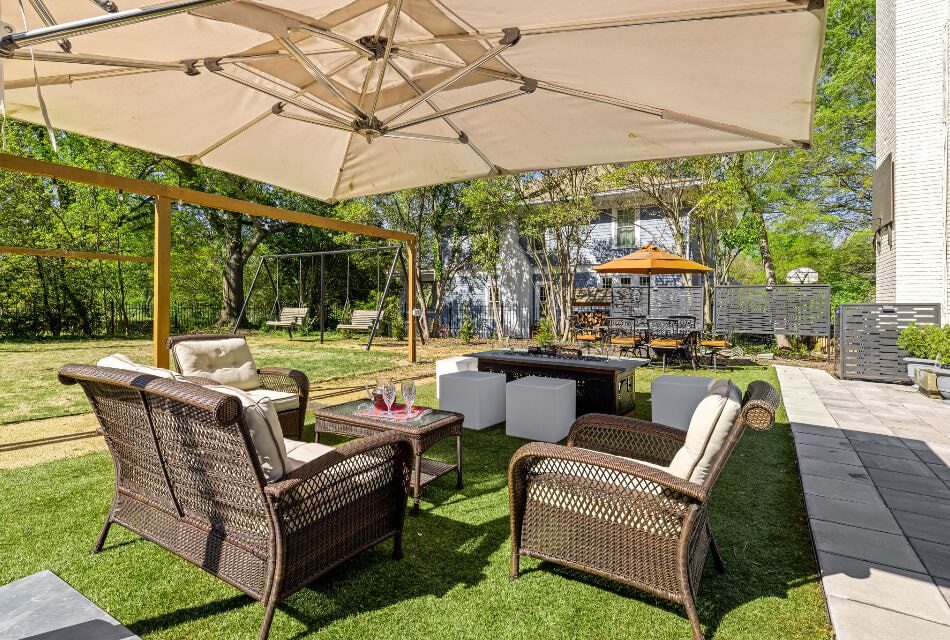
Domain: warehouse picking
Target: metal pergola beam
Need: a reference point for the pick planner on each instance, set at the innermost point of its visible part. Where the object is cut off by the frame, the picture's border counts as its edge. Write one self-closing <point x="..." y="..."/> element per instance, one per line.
<point x="164" y="196"/>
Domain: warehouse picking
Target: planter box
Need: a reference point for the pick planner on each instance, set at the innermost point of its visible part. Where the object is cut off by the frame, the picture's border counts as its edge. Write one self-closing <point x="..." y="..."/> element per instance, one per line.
<point x="943" y="382"/>
<point x="915" y="364"/>
<point x="927" y="381"/>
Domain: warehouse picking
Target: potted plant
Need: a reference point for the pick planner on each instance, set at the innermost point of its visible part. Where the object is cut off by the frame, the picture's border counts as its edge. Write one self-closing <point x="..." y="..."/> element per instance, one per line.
<point x="917" y="340"/>
<point x="930" y="366"/>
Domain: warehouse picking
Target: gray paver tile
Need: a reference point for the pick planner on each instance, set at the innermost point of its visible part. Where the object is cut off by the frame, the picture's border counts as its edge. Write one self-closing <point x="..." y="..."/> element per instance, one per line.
<point x="882" y="586"/>
<point x="876" y="546"/>
<point x="858" y="514"/>
<point x="941" y="470"/>
<point x="915" y="503"/>
<point x="934" y="454"/>
<point x="815" y="429"/>
<point x="901" y="465"/>
<point x="839" y="442"/>
<point x="935" y="556"/>
<point x="830" y="454"/>
<point x="836" y="470"/>
<point x="906" y="482"/>
<point x="923" y="527"/>
<point x="897" y="450"/>
<point x="841" y="489"/>
<point x="863" y="436"/>
<point x="857" y="621"/>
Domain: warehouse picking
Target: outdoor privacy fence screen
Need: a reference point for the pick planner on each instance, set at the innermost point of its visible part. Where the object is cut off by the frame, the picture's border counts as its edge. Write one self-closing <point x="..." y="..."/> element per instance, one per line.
<point x="792" y="310"/>
<point x="867" y="339"/>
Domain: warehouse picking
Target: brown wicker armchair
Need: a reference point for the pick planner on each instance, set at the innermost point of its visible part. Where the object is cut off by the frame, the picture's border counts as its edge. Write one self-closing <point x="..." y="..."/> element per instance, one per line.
<point x="586" y="507"/>
<point x="188" y="479"/>
<point x="273" y="379"/>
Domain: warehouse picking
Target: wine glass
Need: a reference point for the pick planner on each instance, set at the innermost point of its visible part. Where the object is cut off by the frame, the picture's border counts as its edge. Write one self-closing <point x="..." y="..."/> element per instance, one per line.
<point x="409" y="394"/>
<point x="389" y="395"/>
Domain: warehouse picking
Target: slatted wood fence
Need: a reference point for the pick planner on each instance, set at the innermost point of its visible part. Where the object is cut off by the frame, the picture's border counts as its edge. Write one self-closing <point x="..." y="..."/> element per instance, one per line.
<point x="867" y="339"/>
<point x="792" y="310"/>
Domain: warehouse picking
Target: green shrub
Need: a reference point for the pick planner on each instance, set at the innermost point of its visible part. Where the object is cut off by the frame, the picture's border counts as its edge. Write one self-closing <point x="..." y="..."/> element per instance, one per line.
<point x="926" y="341"/>
<point x="544" y="336"/>
<point x="393" y="318"/>
<point x="467" y="325"/>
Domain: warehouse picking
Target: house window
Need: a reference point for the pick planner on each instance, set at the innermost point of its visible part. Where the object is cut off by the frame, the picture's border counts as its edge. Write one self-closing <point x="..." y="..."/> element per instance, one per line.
<point x="625" y="281"/>
<point x="606" y="282"/>
<point x="626" y="228"/>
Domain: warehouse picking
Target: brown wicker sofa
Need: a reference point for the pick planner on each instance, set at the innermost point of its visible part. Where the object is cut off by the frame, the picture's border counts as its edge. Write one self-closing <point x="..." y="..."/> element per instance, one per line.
<point x="272" y="382"/>
<point x="607" y="504"/>
<point x="189" y="479"/>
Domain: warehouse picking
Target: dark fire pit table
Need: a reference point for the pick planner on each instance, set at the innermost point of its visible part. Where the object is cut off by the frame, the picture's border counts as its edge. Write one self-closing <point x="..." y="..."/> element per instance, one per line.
<point x="604" y="384"/>
<point x="422" y="433"/>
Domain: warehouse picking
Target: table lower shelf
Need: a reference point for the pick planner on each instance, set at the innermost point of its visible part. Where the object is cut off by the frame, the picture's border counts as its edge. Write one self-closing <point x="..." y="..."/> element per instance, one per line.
<point x="431" y="470"/>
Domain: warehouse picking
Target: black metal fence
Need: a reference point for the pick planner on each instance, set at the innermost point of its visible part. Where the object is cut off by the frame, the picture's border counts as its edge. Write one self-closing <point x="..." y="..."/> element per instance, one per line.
<point x="516" y="319"/>
<point x="867" y="339"/>
<point x="107" y="319"/>
<point x="793" y="310"/>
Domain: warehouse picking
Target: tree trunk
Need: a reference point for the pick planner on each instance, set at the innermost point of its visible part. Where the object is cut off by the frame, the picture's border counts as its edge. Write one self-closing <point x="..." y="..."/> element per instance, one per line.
<point x="232" y="290"/>
<point x="781" y="341"/>
<point x="494" y="297"/>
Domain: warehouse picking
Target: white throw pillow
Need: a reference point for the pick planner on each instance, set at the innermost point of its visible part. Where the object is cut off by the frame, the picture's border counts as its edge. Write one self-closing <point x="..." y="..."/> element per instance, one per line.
<point x="701" y="426"/>
<point x="727" y="418"/>
<point x="228" y="361"/>
<point x="121" y="361"/>
<point x="264" y="428"/>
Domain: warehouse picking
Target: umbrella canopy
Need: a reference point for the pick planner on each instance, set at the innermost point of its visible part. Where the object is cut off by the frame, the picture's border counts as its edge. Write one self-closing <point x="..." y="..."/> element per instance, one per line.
<point x="341" y="98"/>
<point x="651" y="260"/>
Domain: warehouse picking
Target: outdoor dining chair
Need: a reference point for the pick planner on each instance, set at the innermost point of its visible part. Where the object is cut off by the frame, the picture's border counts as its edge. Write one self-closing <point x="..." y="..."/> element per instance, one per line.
<point x="198" y="474"/>
<point x="628" y="500"/>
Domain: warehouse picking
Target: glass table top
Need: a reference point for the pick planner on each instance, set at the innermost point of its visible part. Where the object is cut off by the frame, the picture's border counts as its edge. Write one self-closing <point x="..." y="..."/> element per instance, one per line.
<point x="349" y="409"/>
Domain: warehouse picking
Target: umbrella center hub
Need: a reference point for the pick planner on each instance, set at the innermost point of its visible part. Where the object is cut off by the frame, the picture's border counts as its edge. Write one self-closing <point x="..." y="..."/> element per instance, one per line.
<point x="376" y="44"/>
<point x="370" y="127"/>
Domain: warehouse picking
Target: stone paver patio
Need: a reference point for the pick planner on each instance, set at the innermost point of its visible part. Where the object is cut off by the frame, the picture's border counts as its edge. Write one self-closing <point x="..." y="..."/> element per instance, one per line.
<point x="875" y="469"/>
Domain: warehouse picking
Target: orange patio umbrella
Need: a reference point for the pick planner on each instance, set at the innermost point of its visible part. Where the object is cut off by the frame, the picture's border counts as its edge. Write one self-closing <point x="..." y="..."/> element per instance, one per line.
<point x="650" y="260"/>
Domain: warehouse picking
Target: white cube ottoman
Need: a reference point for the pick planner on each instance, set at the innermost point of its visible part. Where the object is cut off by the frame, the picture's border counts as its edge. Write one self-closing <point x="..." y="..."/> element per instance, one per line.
<point x="453" y="365"/>
<point x="477" y="395"/>
<point x="540" y="409"/>
<point x="674" y="398"/>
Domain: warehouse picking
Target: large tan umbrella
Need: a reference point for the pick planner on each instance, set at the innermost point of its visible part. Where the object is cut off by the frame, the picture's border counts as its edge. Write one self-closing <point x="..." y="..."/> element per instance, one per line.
<point x="340" y="98"/>
<point x="650" y="260"/>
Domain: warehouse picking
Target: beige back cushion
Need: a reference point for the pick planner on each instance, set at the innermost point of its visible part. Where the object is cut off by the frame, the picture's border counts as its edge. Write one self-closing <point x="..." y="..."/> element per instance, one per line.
<point x="121" y="361"/>
<point x="708" y="430"/>
<point x="264" y="428"/>
<point x="227" y="361"/>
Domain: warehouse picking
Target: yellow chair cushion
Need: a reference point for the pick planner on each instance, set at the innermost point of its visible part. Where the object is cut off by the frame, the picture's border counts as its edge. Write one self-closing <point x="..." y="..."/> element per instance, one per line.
<point x="625" y="340"/>
<point x="587" y="336"/>
<point x="714" y="343"/>
<point x="666" y="343"/>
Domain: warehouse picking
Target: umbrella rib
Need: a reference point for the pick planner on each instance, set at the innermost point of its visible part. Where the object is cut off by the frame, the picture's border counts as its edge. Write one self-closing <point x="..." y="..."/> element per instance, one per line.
<point x="349" y="143"/>
<point x="315" y="71"/>
<point x="660" y="112"/>
<point x="527" y="88"/>
<point x="415" y="87"/>
<point x="764" y="8"/>
<point x="396" y="8"/>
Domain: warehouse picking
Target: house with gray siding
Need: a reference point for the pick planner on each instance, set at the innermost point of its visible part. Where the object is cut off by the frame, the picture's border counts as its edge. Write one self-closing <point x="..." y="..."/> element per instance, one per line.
<point x="625" y="223"/>
<point x="911" y="212"/>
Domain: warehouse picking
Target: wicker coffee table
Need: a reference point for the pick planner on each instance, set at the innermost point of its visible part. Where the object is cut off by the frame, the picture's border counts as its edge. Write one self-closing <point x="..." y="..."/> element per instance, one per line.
<point x="422" y="433"/>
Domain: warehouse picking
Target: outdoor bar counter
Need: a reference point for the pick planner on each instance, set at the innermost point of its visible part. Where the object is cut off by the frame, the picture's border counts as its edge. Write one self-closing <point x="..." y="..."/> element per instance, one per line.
<point x="604" y="384"/>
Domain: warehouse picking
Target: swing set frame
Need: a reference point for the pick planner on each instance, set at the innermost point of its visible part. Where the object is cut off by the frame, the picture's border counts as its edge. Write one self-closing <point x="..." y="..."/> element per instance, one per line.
<point x="321" y="311"/>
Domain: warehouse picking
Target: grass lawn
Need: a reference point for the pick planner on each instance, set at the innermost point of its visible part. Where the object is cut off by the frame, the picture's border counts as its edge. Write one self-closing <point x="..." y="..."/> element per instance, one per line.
<point x="453" y="582"/>
<point x="29" y="388"/>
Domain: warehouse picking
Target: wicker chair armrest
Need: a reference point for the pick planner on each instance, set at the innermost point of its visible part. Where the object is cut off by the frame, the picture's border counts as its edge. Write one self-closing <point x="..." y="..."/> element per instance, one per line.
<point x="387" y="446"/>
<point x="760" y="405"/>
<point x="287" y="380"/>
<point x="199" y="380"/>
<point x="674" y="487"/>
<point x="629" y="437"/>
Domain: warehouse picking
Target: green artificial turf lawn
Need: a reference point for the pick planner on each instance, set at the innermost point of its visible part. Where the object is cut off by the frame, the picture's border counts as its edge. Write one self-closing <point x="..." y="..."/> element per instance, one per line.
<point x="29" y="388"/>
<point x="453" y="581"/>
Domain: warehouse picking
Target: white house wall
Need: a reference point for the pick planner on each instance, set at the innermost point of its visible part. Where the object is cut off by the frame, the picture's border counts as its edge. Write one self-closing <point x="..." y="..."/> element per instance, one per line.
<point x="919" y="235"/>
<point x="885" y="136"/>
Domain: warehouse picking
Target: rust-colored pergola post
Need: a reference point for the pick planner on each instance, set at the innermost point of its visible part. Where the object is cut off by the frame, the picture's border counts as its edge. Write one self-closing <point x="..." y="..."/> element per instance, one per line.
<point x="411" y="296"/>
<point x="161" y="282"/>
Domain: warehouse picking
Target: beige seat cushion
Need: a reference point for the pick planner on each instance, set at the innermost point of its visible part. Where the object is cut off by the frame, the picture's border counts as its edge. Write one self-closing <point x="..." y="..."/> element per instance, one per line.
<point x="708" y="430"/>
<point x="281" y="400"/>
<point x="121" y="361"/>
<point x="262" y="423"/>
<point x="227" y="361"/>
<point x="300" y="453"/>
